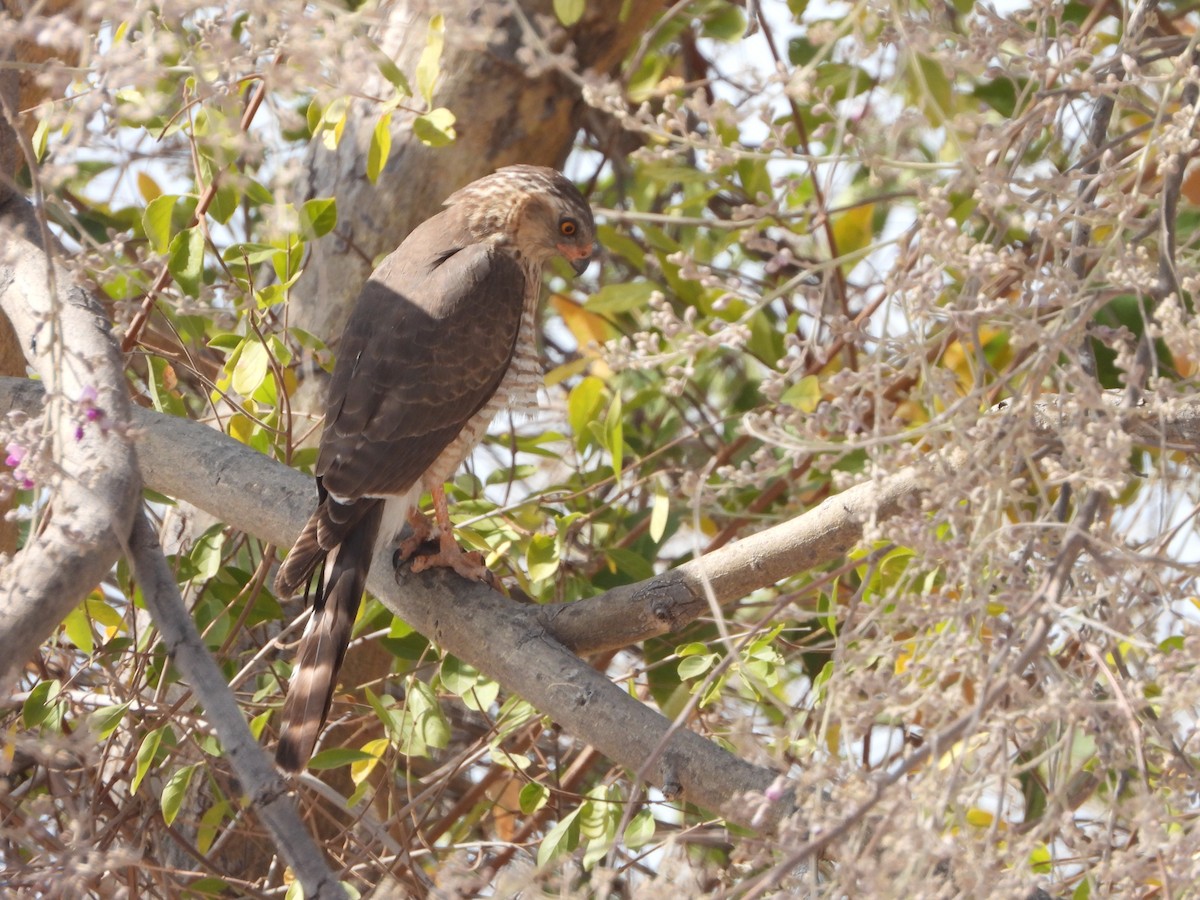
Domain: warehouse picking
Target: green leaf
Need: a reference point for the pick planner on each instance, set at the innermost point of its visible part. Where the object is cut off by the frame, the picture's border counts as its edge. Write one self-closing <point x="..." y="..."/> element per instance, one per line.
<point x="614" y="434"/>
<point x="333" y="122"/>
<point x="163" y="394"/>
<point x="78" y="628"/>
<point x="421" y="725"/>
<point x="630" y="564"/>
<point x="726" y="23"/>
<point x="318" y="217"/>
<point x="206" y="833"/>
<point x="694" y="666"/>
<point x="640" y="830"/>
<point x="104" y="721"/>
<point x="314" y="116"/>
<point x="1000" y="94"/>
<point x="429" y="65"/>
<point x="582" y="406"/>
<point x="249" y="254"/>
<point x="804" y="395"/>
<point x="659" y="513"/>
<point x="156" y="222"/>
<point x="336" y="757"/>
<point x="601" y="813"/>
<point x="533" y="797"/>
<point x="562" y="838"/>
<point x="225" y="202"/>
<point x="39" y="705"/>
<point x="541" y="557"/>
<point x="931" y="89"/>
<point x="174" y="792"/>
<point x="477" y="691"/>
<point x="619" y="297"/>
<point x="251" y="368"/>
<point x="41" y="136"/>
<point x="186" y="260"/>
<point x="360" y="769"/>
<point x="827" y="608"/>
<point x="435" y="128"/>
<point x="381" y="147"/>
<point x="145" y="757"/>
<point x="457" y="676"/>
<point x="569" y="11"/>
<point x="389" y="70"/>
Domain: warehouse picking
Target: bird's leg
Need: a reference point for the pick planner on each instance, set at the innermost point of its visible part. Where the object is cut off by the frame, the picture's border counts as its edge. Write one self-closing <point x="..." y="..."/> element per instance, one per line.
<point x="449" y="555"/>
<point x="422" y="533"/>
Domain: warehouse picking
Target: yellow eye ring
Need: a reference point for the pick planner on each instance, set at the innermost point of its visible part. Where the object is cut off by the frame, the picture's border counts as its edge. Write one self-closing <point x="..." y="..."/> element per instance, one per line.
<point x="568" y="227"/>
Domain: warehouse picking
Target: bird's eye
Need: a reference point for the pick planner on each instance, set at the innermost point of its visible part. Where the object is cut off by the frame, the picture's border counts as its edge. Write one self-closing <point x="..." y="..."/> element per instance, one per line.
<point x="568" y="227"/>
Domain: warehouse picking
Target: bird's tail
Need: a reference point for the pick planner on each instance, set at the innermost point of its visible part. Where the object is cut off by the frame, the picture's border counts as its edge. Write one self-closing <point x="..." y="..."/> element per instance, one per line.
<point x="335" y="604"/>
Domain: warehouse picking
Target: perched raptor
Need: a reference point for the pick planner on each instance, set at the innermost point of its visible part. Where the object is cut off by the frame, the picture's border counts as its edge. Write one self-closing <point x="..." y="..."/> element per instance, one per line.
<point x="441" y="338"/>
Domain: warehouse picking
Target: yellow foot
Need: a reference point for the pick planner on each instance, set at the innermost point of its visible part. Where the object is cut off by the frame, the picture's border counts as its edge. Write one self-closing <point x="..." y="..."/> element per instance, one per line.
<point x="451" y="556"/>
<point x="422" y="533"/>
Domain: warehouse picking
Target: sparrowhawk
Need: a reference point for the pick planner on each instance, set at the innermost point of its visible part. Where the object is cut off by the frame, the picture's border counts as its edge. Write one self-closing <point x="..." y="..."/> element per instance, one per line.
<point x="440" y="340"/>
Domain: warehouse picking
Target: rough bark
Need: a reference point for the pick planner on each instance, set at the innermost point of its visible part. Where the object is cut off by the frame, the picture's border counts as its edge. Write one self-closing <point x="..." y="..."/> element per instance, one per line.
<point x="511" y="105"/>
<point x="522" y="646"/>
<point x="89" y="466"/>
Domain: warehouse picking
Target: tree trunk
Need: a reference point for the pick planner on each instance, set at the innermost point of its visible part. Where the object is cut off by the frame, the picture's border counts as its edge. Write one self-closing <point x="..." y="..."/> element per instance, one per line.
<point x="511" y="106"/>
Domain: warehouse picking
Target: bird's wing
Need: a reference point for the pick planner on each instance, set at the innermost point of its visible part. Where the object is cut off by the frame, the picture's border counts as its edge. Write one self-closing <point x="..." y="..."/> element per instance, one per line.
<point x="427" y="345"/>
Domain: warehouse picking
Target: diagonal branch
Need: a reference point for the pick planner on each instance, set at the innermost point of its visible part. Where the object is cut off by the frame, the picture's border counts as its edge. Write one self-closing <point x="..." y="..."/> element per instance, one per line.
<point x="256" y="776"/>
<point x="525" y="648"/>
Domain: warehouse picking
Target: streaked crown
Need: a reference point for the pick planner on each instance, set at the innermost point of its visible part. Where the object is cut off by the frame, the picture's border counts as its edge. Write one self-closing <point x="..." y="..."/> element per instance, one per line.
<point x="494" y="201"/>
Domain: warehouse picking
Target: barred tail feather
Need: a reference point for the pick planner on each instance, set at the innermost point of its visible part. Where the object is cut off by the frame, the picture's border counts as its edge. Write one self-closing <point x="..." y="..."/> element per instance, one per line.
<point x="323" y="646"/>
<point x="304" y="558"/>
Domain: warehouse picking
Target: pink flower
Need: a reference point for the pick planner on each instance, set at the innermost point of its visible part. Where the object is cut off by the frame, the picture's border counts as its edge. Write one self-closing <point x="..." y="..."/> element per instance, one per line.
<point x="16" y="453"/>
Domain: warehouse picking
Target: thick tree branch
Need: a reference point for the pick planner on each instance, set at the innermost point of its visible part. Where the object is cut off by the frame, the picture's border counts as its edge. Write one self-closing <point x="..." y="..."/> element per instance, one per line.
<point x="631" y="613"/>
<point x="505" y="640"/>
<point x="522" y="647"/>
<point x="88" y="465"/>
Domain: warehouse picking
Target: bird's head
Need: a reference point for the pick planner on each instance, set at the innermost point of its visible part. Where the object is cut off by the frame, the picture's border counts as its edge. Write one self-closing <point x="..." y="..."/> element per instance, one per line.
<point x="536" y="210"/>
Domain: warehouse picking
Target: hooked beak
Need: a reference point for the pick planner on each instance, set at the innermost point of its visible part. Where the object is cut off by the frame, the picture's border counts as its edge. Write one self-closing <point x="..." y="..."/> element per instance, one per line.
<point x="578" y="257"/>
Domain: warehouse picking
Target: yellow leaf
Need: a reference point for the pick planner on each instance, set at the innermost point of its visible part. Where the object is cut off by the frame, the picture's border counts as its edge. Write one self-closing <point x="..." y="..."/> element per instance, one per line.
<point x="361" y="769"/>
<point x="804" y="395"/>
<point x="577" y="366"/>
<point x="429" y="65"/>
<point x="241" y="428"/>
<point x="980" y="818"/>
<point x="148" y="187"/>
<point x="852" y="229"/>
<point x="659" y="513"/>
<point x="833" y="737"/>
<point x="585" y="325"/>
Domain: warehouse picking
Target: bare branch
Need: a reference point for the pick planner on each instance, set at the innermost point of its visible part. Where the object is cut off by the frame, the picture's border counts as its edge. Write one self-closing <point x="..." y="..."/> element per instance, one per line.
<point x="259" y="779"/>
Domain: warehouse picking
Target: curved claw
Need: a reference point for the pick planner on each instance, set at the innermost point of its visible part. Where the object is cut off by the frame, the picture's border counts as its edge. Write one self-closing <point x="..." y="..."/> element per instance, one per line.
<point x="451" y="556"/>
